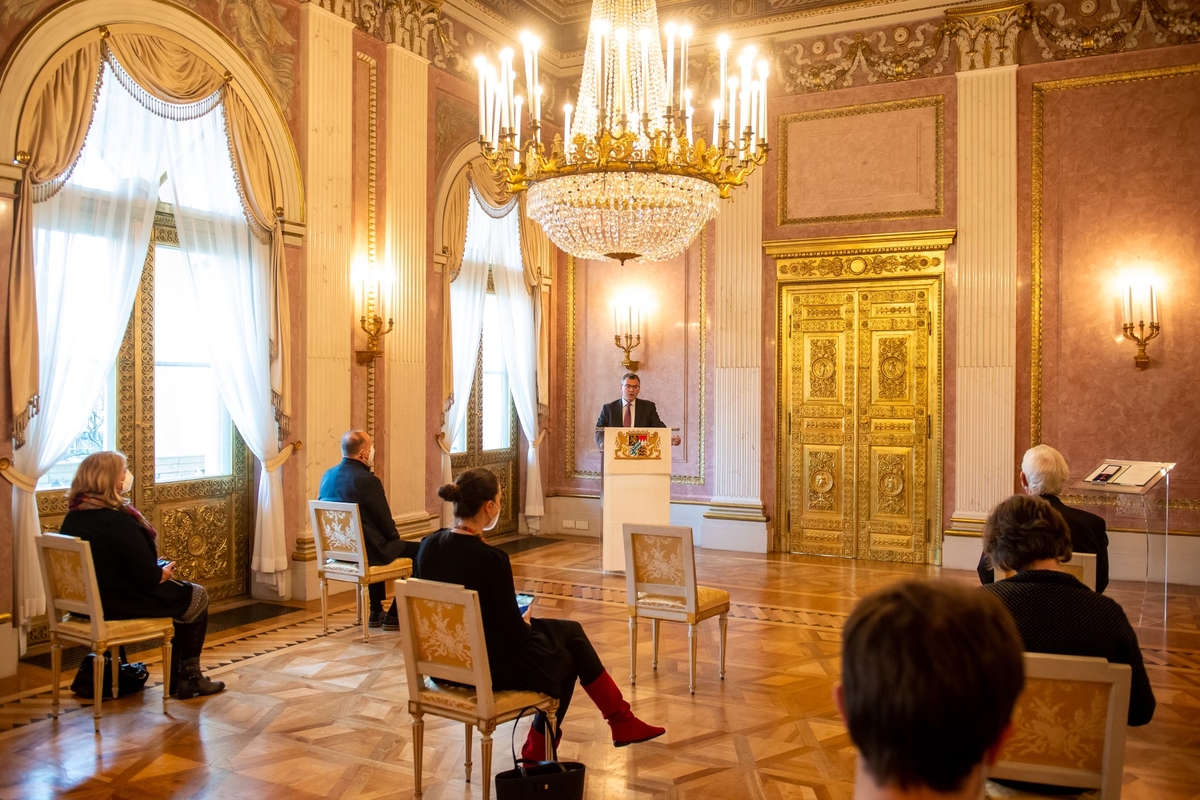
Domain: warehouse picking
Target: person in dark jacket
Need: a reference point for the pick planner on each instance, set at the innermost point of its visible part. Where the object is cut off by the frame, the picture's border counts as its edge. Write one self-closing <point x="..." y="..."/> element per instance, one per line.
<point x="629" y="412"/>
<point x="1044" y="474"/>
<point x="543" y="655"/>
<point x="1054" y="612"/>
<point x="133" y="582"/>
<point x="352" y="481"/>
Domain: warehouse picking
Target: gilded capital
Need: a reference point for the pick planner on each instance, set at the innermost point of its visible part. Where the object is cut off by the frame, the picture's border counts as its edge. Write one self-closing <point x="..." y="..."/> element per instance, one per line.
<point x="987" y="35"/>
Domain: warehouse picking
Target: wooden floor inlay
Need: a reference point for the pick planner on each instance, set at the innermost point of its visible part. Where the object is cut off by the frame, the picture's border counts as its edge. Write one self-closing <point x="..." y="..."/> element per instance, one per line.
<point x="308" y="716"/>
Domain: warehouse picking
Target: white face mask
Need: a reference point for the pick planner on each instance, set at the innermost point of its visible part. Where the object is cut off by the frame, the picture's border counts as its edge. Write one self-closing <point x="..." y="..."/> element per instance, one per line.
<point x="492" y="524"/>
<point x="371" y="455"/>
<point x="127" y="483"/>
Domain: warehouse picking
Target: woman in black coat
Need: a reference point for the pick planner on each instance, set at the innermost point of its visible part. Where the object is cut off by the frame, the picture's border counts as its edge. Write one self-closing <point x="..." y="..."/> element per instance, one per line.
<point x="133" y="581"/>
<point x="544" y="655"/>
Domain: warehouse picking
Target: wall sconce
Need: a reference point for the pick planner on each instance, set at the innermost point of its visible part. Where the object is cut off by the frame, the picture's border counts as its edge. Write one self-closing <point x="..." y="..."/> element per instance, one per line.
<point x="370" y="286"/>
<point x="1141" y="360"/>
<point x="627" y="333"/>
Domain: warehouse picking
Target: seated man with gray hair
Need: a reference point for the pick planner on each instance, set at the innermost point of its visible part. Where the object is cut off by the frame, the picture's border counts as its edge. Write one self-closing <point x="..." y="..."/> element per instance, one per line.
<point x="1044" y="474"/>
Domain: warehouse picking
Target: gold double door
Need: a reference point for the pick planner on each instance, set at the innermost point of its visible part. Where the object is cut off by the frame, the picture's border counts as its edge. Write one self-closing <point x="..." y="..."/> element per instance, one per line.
<point x="860" y="392"/>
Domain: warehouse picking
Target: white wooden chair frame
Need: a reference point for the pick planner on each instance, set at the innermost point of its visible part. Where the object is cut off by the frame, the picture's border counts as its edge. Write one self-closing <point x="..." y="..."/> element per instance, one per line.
<point x="1081" y="565"/>
<point x="79" y="594"/>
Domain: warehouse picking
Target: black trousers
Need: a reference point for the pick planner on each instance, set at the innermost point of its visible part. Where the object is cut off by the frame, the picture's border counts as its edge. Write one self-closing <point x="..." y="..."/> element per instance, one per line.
<point x="579" y="661"/>
<point x="377" y="593"/>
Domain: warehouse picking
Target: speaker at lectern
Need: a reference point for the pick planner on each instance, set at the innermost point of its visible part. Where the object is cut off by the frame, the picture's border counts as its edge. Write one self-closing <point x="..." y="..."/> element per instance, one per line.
<point x="637" y="486"/>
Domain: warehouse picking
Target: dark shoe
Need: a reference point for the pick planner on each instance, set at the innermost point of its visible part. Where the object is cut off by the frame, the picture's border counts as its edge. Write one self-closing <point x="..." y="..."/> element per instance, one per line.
<point x="626" y="728"/>
<point x="375" y="620"/>
<point x="192" y="682"/>
<point x="391" y="622"/>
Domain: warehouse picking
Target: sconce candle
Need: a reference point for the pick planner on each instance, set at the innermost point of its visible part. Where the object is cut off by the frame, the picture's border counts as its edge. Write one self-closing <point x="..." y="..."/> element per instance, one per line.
<point x="1137" y="332"/>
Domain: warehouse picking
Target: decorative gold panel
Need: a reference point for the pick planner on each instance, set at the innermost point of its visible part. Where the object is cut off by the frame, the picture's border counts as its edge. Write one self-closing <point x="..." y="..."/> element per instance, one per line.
<point x="822" y="369"/>
<point x="1059" y="723"/>
<point x="441" y="633"/>
<point x="892" y="369"/>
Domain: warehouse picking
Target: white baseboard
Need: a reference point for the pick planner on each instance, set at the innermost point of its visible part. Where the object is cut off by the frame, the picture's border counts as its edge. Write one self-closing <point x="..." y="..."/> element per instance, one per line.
<point x="564" y="513"/>
<point x="740" y="535"/>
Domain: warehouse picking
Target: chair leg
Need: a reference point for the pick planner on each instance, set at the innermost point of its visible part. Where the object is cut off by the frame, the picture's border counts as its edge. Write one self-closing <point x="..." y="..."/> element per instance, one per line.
<point x="364" y="605"/>
<point x="654" y="639"/>
<point x="324" y="606"/>
<point x="115" y="654"/>
<point x="97" y="687"/>
<point x="418" y="730"/>
<point x="467" y="762"/>
<point x="632" y="650"/>
<point x="166" y="668"/>
<point x="358" y="609"/>
<point x="55" y="673"/>
<point x="723" y="622"/>
<point x="692" y="657"/>
<point x="486" y="747"/>
<point x="552" y="730"/>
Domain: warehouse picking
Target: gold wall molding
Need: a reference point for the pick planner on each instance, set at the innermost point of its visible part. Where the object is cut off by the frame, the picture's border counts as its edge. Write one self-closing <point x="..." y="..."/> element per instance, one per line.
<point x="372" y="239"/>
<point x="572" y="467"/>
<point x="866" y="256"/>
<point x="937" y="102"/>
<point x="1037" y="262"/>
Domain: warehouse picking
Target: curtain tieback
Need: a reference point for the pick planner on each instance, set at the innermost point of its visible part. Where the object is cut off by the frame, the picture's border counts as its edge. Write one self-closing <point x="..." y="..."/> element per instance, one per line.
<point x="441" y="440"/>
<point x="272" y="464"/>
<point x="541" y="435"/>
<point x="17" y="479"/>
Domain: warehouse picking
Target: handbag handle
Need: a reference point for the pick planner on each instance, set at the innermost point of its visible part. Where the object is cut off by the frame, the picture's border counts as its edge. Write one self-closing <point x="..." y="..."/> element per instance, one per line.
<point x="519" y="762"/>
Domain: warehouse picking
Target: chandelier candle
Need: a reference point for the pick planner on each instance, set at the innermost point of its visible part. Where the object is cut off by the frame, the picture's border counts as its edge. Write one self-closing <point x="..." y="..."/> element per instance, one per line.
<point x="628" y="179"/>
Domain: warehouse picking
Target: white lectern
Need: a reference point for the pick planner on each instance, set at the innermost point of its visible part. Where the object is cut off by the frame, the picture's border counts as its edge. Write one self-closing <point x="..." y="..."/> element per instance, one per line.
<point x="637" y="486"/>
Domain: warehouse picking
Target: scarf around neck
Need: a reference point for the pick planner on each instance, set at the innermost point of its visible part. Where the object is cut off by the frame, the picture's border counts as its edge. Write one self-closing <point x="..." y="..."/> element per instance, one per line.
<point x="91" y="502"/>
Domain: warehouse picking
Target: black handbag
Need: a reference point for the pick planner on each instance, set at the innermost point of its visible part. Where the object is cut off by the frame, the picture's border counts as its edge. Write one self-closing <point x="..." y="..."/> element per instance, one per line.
<point x="540" y="780"/>
<point x="131" y="678"/>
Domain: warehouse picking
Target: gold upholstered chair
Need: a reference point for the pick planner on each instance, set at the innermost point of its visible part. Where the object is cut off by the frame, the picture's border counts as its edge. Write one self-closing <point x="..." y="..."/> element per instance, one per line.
<point x="446" y="661"/>
<point x="660" y="581"/>
<point x="342" y="556"/>
<point x="1068" y="727"/>
<point x="1081" y="565"/>
<point x="76" y="615"/>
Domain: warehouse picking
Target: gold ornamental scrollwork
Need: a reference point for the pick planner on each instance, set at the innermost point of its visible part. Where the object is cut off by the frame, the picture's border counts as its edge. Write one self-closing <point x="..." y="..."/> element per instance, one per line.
<point x="822" y="369"/>
<point x="881" y="255"/>
<point x="638" y="445"/>
<point x="858" y="266"/>
<point x="196" y="538"/>
<point x="893" y="368"/>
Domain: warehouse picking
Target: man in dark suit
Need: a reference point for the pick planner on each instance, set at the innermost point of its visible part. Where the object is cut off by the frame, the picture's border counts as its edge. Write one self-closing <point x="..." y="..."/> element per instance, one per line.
<point x="1044" y="472"/>
<point x="628" y="411"/>
<point x="352" y="481"/>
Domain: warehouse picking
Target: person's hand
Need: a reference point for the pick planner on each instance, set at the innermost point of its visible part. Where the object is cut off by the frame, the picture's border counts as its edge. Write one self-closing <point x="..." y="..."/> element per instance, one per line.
<point x="675" y="440"/>
<point x="168" y="572"/>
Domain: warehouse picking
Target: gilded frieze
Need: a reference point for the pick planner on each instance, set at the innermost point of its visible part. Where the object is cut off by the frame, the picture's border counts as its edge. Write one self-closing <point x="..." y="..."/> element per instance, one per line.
<point x="419" y="27"/>
<point x="838" y="267"/>
<point x="1112" y="27"/>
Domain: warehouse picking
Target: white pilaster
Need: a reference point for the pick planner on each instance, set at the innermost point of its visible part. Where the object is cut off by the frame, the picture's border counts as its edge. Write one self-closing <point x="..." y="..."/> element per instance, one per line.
<point x="405" y="252"/>
<point x="327" y="50"/>
<point x="985" y="401"/>
<point x="735" y="519"/>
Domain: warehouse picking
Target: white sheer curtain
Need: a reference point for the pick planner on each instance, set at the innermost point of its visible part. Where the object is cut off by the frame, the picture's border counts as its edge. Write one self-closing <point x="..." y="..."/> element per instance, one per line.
<point x="90" y="242"/>
<point x="230" y="271"/>
<point x="518" y="337"/>
<point x="467" y="294"/>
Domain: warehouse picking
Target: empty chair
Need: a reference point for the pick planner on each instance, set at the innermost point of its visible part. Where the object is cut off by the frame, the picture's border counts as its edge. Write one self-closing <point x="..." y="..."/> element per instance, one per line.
<point x="1068" y="726"/>
<point x="342" y="556"/>
<point x="660" y="580"/>
<point x="442" y="636"/>
<point x="72" y="593"/>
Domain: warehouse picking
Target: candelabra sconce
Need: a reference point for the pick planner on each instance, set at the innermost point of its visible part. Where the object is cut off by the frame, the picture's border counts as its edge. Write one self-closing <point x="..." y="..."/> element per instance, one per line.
<point x="375" y="333"/>
<point x="1138" y="333"/>
<point x="627" y="336"/>
<point x="631" y="342"/>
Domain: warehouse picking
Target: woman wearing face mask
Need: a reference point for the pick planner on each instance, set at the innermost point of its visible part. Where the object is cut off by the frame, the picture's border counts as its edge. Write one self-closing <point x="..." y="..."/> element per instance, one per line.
<point x="544" y="655"/>
<point x="133" y="582"/>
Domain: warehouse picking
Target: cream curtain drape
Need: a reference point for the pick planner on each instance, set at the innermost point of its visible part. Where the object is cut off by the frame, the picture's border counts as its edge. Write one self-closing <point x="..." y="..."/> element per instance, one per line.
<point x="173" y="82"/>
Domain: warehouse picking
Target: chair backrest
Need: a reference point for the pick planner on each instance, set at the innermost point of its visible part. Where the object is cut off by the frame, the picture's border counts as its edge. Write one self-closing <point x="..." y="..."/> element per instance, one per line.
<point x="660" y="559"/>
<point x="1080" y="565"/>
<point x="337" y="531"/>
<point x="441" y="632"/>
<point x="69" y="577"/>
<point x="1069" y="724"/>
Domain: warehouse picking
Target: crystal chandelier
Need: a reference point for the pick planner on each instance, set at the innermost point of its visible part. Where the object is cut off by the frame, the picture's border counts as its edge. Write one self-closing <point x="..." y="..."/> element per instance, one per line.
<point x="631" y="182"/>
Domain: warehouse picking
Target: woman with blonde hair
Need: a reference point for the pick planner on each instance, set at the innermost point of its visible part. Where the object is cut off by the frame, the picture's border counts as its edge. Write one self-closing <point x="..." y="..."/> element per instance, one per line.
<point x="134" y="582"/>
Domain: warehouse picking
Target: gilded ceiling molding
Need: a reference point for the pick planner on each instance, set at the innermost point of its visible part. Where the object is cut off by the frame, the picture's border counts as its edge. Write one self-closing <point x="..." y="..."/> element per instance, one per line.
<point x="897" y="54"/>
<point x="861" y="256"/>
<point x="1118" y="30"/>
<point x="419" y="27"/>
<point x="988" y="36"/>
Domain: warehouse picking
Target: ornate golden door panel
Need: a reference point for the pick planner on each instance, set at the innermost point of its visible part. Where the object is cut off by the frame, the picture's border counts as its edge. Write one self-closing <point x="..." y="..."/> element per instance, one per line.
<point x="860" y="399"/>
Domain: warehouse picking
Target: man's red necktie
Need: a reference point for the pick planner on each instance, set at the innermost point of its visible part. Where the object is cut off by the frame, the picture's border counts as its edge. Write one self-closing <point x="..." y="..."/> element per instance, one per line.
<point x="628" y="421"/>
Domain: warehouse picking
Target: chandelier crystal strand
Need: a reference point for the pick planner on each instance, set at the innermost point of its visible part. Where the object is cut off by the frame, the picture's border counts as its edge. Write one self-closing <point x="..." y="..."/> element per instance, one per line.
<point x="631" y="181"/>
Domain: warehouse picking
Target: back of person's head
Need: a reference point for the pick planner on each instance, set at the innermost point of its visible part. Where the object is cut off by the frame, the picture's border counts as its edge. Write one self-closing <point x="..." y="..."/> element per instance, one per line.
<point x="470" y="491"/>
<point x="353" y="443"/>
<point x="1045" y="470"/>
<point x="930" y="674"/>
<point x="1024" y="529"/>
<point x="100" y="476"/>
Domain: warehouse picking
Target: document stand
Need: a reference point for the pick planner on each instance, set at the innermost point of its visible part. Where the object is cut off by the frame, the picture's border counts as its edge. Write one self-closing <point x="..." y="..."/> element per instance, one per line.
<point x="1134" y="500"/>
<point x="637" y="486"/>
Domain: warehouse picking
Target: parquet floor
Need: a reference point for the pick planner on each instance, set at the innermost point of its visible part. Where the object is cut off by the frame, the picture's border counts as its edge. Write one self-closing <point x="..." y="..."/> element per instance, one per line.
<point x="308" y="716"/>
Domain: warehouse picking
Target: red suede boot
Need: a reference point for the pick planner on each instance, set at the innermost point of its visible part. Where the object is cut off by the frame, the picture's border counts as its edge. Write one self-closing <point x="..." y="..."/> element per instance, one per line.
<point x="626" y="728"/>
<point x="534" y="748"/>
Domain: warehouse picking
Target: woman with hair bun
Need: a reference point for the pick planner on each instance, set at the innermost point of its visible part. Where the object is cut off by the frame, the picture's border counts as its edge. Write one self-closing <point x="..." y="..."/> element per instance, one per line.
<point x="544" y="655"/>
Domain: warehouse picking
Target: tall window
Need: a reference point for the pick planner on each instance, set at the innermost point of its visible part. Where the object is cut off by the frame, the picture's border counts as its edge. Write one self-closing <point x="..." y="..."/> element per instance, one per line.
<point x="491" y="403"/>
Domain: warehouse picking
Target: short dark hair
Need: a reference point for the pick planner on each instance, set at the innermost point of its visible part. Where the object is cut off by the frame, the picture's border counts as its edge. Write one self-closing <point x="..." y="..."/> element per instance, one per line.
<point x="352" y="442"/>
<point x="470" y="491"/>
<point x="1024" y="529"/>
<point x="930" y="674"/>
<point x="629" y="375"/>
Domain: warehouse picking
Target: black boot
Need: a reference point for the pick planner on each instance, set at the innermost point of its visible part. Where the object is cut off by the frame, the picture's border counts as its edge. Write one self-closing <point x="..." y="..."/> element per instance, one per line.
<point x="192" y="682"/>
<point x="174" y="672"/>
